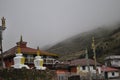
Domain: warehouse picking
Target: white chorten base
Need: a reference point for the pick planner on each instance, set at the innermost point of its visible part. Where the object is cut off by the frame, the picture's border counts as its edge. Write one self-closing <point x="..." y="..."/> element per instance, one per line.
<point x="41" y="68"/>
<point x="19" y="66"/>
<point x="38" y="62"/>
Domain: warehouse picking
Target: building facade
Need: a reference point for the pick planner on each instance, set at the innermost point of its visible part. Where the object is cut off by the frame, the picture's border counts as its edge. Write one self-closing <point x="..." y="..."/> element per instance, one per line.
<point x="113" y="61"/>
<point x="109" y="72"/>
<point x="29" y="54"/>
<point x="77" y="67"/>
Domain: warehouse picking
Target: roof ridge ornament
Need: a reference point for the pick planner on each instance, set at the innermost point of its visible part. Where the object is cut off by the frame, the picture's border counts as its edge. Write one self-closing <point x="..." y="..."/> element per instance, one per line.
<point x="93" y="43"/>
<point x="38" y="51"/>
<point x="21" y="39"/>
<point x="18" y="49"/>
<point x="3" y="21"/>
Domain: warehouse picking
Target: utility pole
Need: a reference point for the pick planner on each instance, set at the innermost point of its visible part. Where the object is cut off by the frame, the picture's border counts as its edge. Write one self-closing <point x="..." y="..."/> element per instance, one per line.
<point x="88" y="64"/>
<point x="94" y="48"/>
<point x="2" y="28"/>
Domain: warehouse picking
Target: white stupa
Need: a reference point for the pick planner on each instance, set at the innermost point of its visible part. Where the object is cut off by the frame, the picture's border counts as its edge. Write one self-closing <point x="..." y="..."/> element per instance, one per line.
<point x="38" y="62"/>
<point x="19" y="60"/>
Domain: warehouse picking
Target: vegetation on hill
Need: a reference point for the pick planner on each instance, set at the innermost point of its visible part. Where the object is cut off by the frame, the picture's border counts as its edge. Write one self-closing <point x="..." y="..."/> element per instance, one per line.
<point x="107" y="41"/>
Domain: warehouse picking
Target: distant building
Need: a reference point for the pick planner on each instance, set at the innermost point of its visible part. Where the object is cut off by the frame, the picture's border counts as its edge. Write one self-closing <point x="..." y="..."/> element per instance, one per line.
<point x="84" y="66"/>
<point x="113" y="61"/>
<point x="110" y="73"/>
<point x="29" y="54"/>
<point x="76" y="67"/>
<point x="63" y="71"/>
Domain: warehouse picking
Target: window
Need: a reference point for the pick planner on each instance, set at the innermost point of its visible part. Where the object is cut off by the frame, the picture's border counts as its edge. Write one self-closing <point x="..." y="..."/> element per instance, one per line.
<point x="49" y="61"/>
<point x="94" y="67"/>
<point x="116" y="61"/>
<point x="29" y="59"/>
<point x="61" y="77"/>
<point x="113" y="73"/>
<point x="83" y="67"/>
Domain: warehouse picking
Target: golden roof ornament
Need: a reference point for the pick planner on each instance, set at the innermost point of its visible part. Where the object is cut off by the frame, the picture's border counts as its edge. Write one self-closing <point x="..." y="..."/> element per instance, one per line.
<point x="93" y="47"/>
<point x="38" y="51"/>
<point x="18" y="49"/>
<point x="3" y="21"/>
<point x="21" y="40"/>
<point x="93" y="43"/>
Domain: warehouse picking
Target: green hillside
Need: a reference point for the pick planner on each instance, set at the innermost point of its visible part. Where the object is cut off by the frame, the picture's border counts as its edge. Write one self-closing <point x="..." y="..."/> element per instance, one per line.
<point x="107" y="40"/>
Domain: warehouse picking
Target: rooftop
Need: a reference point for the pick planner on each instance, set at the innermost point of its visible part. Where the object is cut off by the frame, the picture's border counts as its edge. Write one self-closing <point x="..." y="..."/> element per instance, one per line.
<point x="81" y="62"/>
<point x="25" y="50"/>
<point x="108" y="69"/>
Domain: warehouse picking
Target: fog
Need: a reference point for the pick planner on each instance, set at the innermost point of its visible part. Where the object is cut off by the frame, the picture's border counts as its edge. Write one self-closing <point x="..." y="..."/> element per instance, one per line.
<point x="46" y="22"/>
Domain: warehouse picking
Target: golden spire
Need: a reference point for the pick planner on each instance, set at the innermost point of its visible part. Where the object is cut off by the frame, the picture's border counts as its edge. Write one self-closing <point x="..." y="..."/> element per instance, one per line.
<point x="3" y="21"/>
<point x="38" y="51"/>
<point x="18" y="49"/>
<point x="93" y="47"/>
<point x="21" y="40"/>
<point x="93" y="43"/>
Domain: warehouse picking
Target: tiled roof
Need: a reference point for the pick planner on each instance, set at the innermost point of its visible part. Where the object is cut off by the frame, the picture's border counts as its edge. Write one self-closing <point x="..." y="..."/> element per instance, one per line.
<point x="81" y="62"/>
<point x="61" y="66"/>
<point x="26" y="50"/>
<point x="113" y="57"/>
<point x="108" y="69"/>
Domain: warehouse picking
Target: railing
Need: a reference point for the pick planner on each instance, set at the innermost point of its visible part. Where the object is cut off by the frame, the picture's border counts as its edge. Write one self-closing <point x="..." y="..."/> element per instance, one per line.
<point x="112" y="57"/>
<point x="49" y="61"/>
<point x="46" y="61"/>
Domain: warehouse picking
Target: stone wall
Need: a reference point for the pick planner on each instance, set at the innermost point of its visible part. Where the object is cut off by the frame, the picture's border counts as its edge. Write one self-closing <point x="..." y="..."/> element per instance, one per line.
<point x="27" y="74"/>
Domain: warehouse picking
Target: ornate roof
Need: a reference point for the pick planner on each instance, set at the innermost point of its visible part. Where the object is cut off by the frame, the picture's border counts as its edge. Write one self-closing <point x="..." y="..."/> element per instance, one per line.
<point x="25" y="50"/>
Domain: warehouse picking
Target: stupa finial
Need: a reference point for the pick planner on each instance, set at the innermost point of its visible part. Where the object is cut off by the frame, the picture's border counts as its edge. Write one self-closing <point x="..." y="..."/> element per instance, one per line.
<point x="21" y="39"/>
<point x="93" y="43"/>
<point x="18" y="49"/>
<point x="38" y="51"/>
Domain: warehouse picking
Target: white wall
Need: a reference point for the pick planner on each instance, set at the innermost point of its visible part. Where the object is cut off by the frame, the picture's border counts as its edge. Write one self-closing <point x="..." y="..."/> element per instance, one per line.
<point x="114" y="60"/>
<point x="115" y="63"/>
<point x="92" y="70"/>
<point x="116" y="74"/>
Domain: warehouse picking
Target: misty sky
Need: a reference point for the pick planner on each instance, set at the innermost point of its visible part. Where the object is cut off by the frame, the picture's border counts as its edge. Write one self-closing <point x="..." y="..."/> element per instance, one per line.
<point x="44" y="22"/>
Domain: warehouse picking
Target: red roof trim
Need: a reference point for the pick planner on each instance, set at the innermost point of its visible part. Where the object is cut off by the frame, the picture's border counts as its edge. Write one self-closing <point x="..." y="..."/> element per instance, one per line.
<point x="26" y="50"/>
<point x="81" y="62"/>
<point x="108" y="69"/>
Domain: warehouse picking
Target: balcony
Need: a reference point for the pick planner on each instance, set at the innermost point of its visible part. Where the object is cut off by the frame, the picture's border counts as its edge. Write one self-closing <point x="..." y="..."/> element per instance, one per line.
<point x="50" y="61"/>
<point x="47" y="61"/>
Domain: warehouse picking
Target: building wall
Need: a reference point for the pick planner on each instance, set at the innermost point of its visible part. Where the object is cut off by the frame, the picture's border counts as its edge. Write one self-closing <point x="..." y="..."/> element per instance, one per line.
<point x="113" y="74"/>
<point x="62" y="77"/>
<point x="29" y="61"/>
<point x="92" y="69"/>
<point x="115" y="63"/>
<point x="62" y="74"/>
<point x="74" y="69"/>
<point x="8" y="63"/>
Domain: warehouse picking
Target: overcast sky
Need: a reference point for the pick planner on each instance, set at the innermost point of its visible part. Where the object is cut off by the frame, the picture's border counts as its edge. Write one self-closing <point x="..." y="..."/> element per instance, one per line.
<point x="44" y="22"/>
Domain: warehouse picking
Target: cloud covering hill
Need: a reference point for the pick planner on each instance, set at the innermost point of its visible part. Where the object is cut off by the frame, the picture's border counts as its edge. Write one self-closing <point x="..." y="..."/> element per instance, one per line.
<point x="107" y="41"/>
